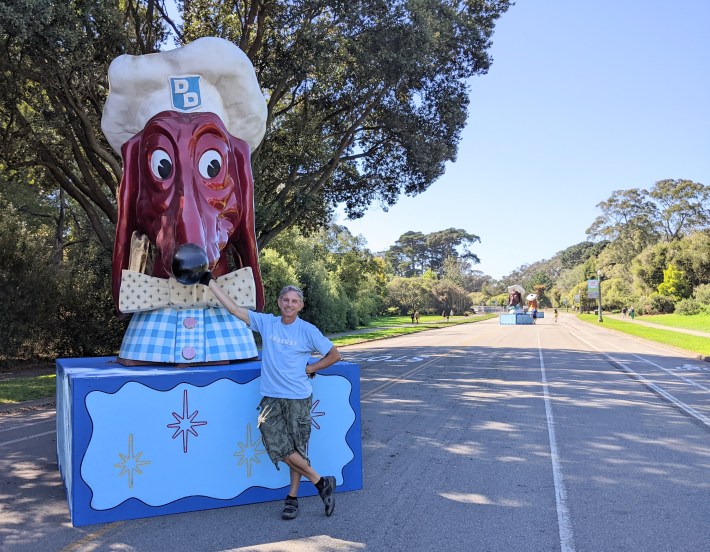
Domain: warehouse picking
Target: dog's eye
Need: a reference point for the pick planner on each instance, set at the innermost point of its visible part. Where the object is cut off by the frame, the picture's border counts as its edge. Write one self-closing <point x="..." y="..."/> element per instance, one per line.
<point x="161" y="164"/>
<point x="210" y="164"/>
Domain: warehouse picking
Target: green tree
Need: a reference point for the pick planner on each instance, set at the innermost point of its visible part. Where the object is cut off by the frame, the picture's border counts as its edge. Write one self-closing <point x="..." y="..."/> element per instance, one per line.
<point x="452" y="243"/>
<point x="702" y="294"/>
<point x="276" y="273"/>
<point x="450" y="296"/>
<point x="627" y="220"/>
<point x="354" y="286"/>
<point x="409" y="294"/>
<point x="408" y="256"/>
<point x="54" y="58"/>
<point x="542" y="296"/>
<point x="366" y="100"/>
<point x="568" y="280"/>
<point x="414" y="252"/>
<point x="616" y="293"/>
<point x="682" y="206"/>
<point x="675" y="285"/>
<point x="52" y="309"/>
<point x="577" y="254"/>
<point x="648" y="266"/>
<point x="692" y="255"/>
<point x="356" y="269"/>
<point x="454" y="270"/>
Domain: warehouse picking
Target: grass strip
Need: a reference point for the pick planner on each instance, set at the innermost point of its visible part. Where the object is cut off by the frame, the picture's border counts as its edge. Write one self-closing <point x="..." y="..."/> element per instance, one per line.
<point x="18" y="390"/>
<point x="687" y="342"/>
<point x="699" y="322"/>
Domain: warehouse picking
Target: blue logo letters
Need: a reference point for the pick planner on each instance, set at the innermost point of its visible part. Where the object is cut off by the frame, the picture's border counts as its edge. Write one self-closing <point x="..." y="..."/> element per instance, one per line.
<point x="185" y="93"/>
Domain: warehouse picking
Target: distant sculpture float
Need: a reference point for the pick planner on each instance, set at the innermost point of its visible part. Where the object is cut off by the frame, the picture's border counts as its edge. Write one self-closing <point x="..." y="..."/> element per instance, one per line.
<point x="515" y="313"/>
<point x="515" y="298"/>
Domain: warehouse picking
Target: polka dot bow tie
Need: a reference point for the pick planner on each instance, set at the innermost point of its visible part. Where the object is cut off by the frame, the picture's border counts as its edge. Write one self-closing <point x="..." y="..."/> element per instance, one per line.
<point x="141" y="292"/>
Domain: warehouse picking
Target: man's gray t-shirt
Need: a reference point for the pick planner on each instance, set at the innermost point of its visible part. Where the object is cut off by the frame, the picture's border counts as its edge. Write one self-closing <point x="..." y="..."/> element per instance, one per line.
<point x="286" y="349"/>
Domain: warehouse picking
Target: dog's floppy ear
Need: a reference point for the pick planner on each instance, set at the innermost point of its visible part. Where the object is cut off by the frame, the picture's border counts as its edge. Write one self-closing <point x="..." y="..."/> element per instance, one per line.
<point x="244" y="238"/>
<point x="127" y="219"/>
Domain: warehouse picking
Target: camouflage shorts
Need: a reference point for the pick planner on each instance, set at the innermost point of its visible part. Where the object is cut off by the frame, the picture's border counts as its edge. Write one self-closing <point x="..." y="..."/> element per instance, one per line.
<point x="285" y="426"/>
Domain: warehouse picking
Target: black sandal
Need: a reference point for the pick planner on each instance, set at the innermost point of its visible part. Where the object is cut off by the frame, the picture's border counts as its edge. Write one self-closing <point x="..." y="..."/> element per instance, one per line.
<point x="327" y="493"/>
<point x="290" y="509"/>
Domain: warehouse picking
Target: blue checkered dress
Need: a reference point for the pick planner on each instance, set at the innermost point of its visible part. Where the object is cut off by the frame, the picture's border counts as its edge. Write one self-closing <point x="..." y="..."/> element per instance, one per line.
<point x="187" y="336"/>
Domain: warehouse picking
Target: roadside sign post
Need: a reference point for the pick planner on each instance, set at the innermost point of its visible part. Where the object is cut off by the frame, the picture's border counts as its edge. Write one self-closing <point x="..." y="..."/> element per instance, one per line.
<point x="594" y="291"/>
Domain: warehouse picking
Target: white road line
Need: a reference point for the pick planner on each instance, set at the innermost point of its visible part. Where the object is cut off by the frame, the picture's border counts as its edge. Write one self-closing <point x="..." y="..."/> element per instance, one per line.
<point x="13" y="428"/>
<point x="564" y="521"/>
<point x="671" y="372"/>
<point x="2" y="444"/>
<point x="665" y="394"/>
<point x="398" y="379"/>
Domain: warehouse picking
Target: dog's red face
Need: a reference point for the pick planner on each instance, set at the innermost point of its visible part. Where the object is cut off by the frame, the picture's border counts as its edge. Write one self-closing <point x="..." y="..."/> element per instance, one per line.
<point x="188" y="190"/>
<point x="187" y="180"/>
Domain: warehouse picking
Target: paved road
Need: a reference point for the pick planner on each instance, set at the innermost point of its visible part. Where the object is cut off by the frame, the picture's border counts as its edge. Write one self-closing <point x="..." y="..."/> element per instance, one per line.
<point x="480" y="437"/>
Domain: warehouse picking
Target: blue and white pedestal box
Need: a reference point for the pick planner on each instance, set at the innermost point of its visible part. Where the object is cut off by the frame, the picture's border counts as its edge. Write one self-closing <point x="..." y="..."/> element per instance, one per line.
<point x="515" y="319"/>
<point x="145" y="441"/>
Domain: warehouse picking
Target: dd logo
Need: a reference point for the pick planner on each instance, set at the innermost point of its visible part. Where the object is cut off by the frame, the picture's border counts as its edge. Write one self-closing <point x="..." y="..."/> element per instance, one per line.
<point x="185" y="93"/>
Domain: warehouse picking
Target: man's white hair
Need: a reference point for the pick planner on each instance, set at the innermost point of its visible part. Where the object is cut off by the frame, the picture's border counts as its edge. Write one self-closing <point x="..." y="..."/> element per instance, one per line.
<point x="296" y="290"/>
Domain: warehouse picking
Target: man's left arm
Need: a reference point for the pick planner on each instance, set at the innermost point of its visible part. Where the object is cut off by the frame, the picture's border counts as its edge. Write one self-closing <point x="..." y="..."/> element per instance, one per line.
<point x="329" y="359"/>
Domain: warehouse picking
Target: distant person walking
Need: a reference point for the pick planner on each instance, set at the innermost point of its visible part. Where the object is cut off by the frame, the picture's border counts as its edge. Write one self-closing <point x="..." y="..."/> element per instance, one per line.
<point x="556" y="315"/>
<point x="632" y="313"/>
<point x="623" y="312"/>
<point x="416" y="316"/>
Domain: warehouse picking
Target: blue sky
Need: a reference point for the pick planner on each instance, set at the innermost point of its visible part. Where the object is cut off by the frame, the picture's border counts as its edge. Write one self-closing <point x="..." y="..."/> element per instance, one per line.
<point x="583" y="98"/>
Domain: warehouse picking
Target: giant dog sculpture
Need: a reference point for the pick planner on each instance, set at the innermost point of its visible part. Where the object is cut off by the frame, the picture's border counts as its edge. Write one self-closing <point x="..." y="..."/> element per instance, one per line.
<point x="185" y="122"/>
<point x="515" y="294"/>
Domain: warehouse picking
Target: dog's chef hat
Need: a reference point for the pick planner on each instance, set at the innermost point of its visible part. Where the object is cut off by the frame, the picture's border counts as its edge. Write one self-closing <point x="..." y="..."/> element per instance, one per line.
<point x="208" y="75"/>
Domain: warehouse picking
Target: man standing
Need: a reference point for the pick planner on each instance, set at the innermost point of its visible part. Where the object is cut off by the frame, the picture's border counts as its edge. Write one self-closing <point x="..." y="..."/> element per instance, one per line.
<point x="285" y="418"/>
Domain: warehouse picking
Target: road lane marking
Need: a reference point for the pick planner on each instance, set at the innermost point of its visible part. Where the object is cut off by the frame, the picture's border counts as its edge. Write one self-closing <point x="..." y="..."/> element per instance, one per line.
<point x="652" y="386"/>
<point x="398" y="379"/>
<point x="692" y="368"/>
<point x="564" y="521"/>
<point x="401" y="377"/>
<point x="2" y="444"/>
<point x="88" y="543"/>
<point x="14" y="428"/>
<point x="672" y="373"/>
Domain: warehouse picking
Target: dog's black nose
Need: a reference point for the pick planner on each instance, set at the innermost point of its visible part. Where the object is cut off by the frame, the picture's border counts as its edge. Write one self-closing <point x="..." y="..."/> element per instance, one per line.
<point x="189" y="264"/>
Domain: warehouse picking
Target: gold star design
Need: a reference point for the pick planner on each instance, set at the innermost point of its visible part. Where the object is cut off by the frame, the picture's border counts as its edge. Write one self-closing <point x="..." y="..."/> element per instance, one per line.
<point x="131" y="463"/>
<point x="249" y="452"/>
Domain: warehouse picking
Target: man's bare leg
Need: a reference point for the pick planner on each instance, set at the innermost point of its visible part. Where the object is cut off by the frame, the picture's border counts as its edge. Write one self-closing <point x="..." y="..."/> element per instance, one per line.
<point x="295" y="482"/>
<point x="325" y="485"/>
<point x="300" y="467"/>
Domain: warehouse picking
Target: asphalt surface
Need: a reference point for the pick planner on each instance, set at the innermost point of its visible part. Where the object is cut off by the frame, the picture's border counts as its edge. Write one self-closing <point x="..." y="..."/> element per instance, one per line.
<point x="554" y="437"/>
